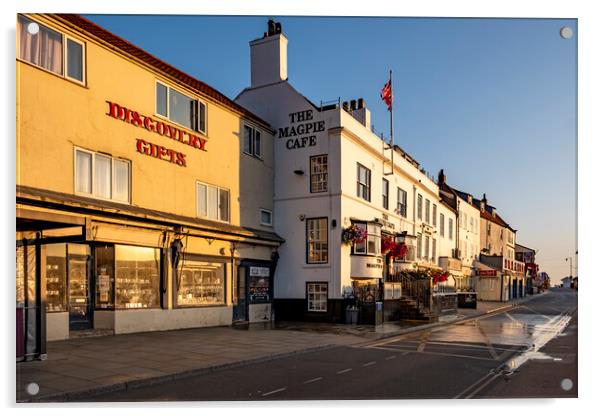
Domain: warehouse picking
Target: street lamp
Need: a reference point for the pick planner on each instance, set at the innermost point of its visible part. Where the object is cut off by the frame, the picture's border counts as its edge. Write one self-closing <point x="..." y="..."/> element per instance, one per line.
<point x="570" y="260"/>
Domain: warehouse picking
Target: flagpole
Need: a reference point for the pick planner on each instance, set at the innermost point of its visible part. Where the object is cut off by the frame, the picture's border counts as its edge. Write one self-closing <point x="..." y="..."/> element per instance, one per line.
<point x="391" y="141"/>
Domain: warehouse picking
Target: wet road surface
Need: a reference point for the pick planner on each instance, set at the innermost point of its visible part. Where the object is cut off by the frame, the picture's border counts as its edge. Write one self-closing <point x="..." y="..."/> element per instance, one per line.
<point x="528" y="351"/>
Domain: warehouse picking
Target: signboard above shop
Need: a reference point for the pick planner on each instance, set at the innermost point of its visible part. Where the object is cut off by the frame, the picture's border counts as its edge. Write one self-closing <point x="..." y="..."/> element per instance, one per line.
<point x="366" y="267"/>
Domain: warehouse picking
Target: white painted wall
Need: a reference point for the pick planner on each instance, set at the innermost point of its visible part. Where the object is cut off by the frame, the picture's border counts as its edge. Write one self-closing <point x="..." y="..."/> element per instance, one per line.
<point x="146" y="320"/>
<point x="261" y="312"/>
<point x="57" y="326"/>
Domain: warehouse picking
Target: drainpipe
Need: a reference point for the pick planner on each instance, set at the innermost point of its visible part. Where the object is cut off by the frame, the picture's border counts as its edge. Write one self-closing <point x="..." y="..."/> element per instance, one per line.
<point x="414" y="211"/>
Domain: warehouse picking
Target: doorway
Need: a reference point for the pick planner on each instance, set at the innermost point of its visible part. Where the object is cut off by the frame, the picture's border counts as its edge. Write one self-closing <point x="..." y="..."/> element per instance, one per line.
<point x="81" y="301"/>
<point x="239" y="311"/>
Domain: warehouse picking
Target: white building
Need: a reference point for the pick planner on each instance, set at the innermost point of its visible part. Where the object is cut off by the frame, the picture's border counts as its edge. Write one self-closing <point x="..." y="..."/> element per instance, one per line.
<point x="468" y="234"/>
<point x="331" y="171"/>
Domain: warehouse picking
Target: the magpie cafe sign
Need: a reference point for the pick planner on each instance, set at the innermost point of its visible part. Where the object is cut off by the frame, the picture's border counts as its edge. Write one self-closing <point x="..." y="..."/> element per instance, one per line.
<point x="301" y="132"/>
<point x="161" y="128"/>
<point x="487" y="272"/>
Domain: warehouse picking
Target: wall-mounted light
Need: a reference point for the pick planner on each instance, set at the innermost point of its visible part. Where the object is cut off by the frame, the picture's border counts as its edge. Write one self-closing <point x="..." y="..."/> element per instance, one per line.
<point x="334" y="223"/>
<point x="299" y="172"/>
<point x="301" y="217"/>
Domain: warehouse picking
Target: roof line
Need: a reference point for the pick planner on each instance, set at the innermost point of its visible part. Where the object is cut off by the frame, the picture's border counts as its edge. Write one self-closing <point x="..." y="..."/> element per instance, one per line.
<point x="128" y="48"/>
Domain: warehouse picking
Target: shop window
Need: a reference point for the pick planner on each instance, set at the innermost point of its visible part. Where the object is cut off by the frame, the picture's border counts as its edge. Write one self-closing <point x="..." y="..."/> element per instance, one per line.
<point x="385" y="194"/>
<point x="434" y="258"/>
<point x="26" y="275"/>
<point x="181" y="108"/>
<point x="102" y="176"/>
<point x="213" y="202"/>
<point x="265" y="217"/>
<point x="105" y="277"/>
<point x="317" y="297"/>
<point x="252" y="142"/>
<point x="363" y="182"/>
<point x="50" y="50"/>
<point x="371" y="245"/>
<point x="317" y="240"/>
<point x="200" y="283"/>
<point x="56" y="277"/>
<point x="137" y="277"/>
<point x="402" y="202"/>
<point x="419" y="207"/>
<point x="318" y="167"/>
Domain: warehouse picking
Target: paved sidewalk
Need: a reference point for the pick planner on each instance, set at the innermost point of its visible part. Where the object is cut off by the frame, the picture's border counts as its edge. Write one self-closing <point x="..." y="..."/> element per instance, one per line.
<point x="84" y="366"/>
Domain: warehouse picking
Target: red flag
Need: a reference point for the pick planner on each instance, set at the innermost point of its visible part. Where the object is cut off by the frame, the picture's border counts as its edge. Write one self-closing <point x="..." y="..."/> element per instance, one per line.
<point x="386" y="95"/>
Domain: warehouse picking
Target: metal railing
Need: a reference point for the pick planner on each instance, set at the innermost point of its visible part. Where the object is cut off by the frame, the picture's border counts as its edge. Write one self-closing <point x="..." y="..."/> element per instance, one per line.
<point x="417" y="289"/>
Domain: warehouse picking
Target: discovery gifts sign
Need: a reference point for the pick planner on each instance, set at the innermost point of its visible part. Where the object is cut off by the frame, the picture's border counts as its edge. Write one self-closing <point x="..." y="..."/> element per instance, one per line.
<point x="157" y="126"/>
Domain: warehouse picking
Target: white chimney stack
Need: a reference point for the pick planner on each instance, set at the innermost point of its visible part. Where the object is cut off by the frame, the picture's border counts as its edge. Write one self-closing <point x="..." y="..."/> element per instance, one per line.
<point x="268" y="57"/>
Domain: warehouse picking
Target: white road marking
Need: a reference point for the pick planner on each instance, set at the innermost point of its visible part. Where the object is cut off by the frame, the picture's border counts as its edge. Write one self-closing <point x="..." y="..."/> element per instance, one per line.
<point x="312" y="380"/>
<point x="391" y="357"/>
<point x="344" y="371"/>
<point x="368" y="364"/>
<point x="405" y="352"/>
<point x="273" y="391"/>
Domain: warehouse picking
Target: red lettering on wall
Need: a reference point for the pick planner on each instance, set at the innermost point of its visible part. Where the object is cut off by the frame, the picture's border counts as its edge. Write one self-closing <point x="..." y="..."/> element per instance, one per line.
<point x="164" y="129"/>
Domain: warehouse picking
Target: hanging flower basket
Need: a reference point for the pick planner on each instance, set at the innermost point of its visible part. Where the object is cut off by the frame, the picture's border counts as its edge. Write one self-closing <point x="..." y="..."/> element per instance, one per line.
<point x="353" y="235"/>
<point x="440" y="278"/>
<point x="399" y="251"/>
<point x="396" y="250"/>
<point x="387" y="245"/>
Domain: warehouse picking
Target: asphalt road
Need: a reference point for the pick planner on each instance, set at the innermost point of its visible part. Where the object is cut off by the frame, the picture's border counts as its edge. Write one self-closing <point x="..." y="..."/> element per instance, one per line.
<point x="529" y="351"/>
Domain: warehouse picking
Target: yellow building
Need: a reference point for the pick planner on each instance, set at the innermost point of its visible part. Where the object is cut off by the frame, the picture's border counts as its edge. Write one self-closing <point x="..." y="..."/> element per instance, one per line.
<point x="144" y="196"/>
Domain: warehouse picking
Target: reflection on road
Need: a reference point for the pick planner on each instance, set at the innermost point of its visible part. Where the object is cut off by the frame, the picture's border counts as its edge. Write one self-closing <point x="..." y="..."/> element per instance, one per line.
<point x="494" y="337"/>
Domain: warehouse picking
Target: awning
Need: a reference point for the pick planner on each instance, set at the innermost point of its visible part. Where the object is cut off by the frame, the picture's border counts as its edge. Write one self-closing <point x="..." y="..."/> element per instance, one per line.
<point x="483" y="270"/>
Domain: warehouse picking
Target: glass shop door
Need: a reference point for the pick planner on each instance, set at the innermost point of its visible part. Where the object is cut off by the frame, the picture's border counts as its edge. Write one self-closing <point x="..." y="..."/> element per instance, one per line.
<point x="79" y="277"/>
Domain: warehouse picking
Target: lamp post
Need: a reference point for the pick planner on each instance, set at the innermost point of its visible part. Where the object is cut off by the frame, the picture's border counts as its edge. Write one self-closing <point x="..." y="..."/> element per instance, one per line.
<point x="570" y="260"/>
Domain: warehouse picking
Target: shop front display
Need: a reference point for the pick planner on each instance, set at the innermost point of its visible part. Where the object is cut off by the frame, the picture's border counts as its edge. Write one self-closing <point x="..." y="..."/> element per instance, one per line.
<point x="200" y="283"/>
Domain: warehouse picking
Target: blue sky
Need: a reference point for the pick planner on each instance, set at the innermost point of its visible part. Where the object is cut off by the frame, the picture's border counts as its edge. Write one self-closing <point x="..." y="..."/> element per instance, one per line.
<point x="491" y="101"/>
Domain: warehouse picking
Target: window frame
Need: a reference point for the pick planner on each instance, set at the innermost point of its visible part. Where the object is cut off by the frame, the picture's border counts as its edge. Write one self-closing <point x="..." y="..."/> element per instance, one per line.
<point x="442" y="224"/>
<point x="198" y="101"/>
<point x="419" y="207"/>
<point x="253" y="151"/>
<point x="402" y="212"/>
<point x="307" y="291"/>
<point x="64" y="38"/>
<point x="367" y="186"/>
<point x="311" y="173"/>
<point x="434" y="215"/>
<point x="93" y="173"/>
<point x="271" y="223"/>
<point x="307" y="241"/>
<point x="427" y="211"/>
<point x="385" y="196"/>
<point x="219" y="188"/>
<point x="450" y="229"/>
<point x="377" y="241"/>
